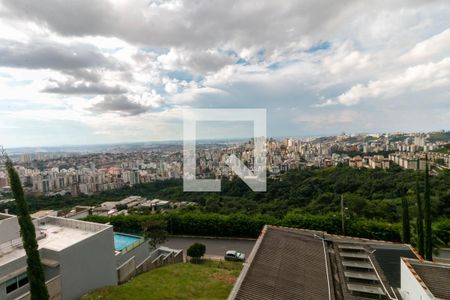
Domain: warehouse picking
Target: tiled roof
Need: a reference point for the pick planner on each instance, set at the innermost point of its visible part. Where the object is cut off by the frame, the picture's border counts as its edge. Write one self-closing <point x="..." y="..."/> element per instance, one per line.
<point x="288" y="265"/>
<point x="435" y="276"/>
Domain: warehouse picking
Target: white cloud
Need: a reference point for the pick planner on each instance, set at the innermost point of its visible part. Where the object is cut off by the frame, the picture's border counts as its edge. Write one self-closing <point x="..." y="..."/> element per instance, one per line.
<point x="437" y="46"/>
<point x="109" y="65"/>
<point x="416" y="78"/>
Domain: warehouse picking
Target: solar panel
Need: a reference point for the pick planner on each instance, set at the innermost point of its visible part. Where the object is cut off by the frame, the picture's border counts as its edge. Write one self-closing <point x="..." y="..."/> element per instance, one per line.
<point x="365" y="289"/>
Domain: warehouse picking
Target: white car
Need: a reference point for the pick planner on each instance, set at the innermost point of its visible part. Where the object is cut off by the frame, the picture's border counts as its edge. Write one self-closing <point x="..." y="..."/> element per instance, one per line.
<point x="233" y="255"/>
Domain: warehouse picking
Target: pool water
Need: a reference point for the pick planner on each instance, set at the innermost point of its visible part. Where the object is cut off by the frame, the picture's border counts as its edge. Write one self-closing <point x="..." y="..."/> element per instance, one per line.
<point x="122" y="241"/>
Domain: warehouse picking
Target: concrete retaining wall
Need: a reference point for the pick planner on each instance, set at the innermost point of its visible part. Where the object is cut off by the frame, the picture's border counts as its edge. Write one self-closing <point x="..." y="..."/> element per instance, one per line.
<point x="160" y="257"/>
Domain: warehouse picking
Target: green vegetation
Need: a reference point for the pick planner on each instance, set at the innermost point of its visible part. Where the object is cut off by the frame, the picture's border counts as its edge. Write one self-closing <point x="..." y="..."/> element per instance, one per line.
<point x="405" y="221"/>
<point x="206" y="280"/>
<point x="354" y="153"/>
<point x="428" y="230"/>
<point x="196" y="251"/>
<point x="443" y="149"/>
<point x="35" y="272"/>
<point x="241" y="225"/>
<point x="439" y="136"/>
<point x="368" y="193"/>
<point x="300" y="198"/>
<point x="155" y="231"/>
<point x="397" y="137"/>
<point x="420" y="234"/>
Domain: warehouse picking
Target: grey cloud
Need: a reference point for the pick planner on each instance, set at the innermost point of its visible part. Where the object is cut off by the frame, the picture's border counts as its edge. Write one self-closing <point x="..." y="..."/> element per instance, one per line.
<point x="48" y="55"/>
<point x="90" y="75"/>
<point x="197" y="24"/>
<point x="82" y="88"/>
<point x="207" y="62"/>
<point x="119" y="104"/>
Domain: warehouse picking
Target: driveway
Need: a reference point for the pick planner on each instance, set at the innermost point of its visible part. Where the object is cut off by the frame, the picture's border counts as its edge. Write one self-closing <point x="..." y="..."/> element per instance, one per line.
<point x="215" y="247"/>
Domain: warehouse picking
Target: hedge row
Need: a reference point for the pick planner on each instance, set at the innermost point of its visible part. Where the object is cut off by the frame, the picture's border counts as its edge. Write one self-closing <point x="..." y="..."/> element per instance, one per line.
<point x="240" y="225"/>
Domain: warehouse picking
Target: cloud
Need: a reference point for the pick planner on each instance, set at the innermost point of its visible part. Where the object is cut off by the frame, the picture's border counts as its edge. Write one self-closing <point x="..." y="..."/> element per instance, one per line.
<point x="326" y="119"/>
<point x="437" y="46"/>
<point x="73" y="87"/>
<point x="117" y="67"/>
<point x="327" y="102"/>
<point x="49" y="55"/>
<point x="196" y="61"/>
<point x="203" y="24"/>
<point x="91" y="75"/>
<point x="416" y="78"/>
<point x="345" y="59"/>
<point x="119" y="104"/>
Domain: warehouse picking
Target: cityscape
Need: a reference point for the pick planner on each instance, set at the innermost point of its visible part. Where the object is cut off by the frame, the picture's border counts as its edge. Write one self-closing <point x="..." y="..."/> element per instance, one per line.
<point x="224" y="150"/>
<point x="87" y="173"/>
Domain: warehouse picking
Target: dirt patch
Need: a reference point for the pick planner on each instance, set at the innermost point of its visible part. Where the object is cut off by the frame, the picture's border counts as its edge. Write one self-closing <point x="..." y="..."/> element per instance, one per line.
<point x="230" y="279"/>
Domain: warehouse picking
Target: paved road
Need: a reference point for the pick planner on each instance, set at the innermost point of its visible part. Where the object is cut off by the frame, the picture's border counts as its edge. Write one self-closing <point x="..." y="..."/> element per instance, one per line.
<point x="214" y="247"/>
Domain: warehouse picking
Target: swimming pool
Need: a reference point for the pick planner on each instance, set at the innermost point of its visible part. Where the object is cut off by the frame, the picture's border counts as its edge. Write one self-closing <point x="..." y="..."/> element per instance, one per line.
<point x="122" y="241"/>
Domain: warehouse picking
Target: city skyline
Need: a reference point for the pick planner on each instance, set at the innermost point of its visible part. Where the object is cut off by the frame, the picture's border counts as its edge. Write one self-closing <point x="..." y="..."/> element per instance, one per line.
<point x="126" y="72"/>
<point x="206" y="141"/>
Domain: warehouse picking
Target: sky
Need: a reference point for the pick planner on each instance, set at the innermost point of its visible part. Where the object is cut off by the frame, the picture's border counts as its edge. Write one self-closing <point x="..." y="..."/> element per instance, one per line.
<point x="117" y="71"/>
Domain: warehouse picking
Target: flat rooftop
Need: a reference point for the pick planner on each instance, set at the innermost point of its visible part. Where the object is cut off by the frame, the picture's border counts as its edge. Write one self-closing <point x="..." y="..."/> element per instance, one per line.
<point x="61" y="233"/>
<point x="5" y="216"/>
<point x="53" y="233"/>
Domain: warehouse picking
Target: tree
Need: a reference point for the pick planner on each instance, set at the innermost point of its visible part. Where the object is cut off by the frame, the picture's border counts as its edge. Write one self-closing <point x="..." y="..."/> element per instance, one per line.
<point x="35" y="271"/>
<point x="155" y="231"/>
<point x="420" y="233"/>
<point x="196" y="251"/>
<point x="405" y="220"/>
<point x="428" y="231"/>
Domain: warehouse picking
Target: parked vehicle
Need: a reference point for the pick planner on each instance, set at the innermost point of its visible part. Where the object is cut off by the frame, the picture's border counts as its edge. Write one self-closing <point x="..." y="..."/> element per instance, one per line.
<point x="233" y="255"/>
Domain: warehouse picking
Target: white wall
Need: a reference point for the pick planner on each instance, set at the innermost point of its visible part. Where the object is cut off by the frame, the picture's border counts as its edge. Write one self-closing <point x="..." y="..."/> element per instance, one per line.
<point x="88" y="265"/>
<point x="410" y="288"/>
<point x="9" y="229"/>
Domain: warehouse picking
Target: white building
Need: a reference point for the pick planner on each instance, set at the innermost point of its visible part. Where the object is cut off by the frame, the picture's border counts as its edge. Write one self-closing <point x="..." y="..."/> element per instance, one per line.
<point x="423" y="280"/>
<point x="77" y="257"/>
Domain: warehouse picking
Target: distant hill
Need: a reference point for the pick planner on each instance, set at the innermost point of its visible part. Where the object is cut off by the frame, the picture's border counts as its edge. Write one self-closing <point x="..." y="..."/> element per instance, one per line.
<point x="439" y="136"/>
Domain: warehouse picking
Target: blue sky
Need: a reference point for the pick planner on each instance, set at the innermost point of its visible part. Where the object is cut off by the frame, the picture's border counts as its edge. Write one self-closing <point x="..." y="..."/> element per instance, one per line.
<point x="119" y="71"/>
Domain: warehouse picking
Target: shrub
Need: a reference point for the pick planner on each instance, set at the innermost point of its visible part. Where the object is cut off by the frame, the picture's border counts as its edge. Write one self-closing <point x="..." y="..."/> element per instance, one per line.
<point x="241" y="225"/>
<point x="196" y="251"/>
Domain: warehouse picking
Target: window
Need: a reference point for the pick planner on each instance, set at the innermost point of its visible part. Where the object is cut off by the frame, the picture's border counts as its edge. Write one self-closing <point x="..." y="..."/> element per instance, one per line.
<point x="11" y="285"/>
<point x="16" y="282"/>
<point x="22" y="280"/>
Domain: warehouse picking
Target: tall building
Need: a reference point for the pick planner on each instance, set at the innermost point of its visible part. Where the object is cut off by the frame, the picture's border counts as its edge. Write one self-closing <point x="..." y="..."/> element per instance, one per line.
<point x="419" y="139"/>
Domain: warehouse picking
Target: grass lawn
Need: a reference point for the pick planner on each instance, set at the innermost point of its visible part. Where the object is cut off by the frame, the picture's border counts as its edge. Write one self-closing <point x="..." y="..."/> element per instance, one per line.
<point x="206" y="280"/>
